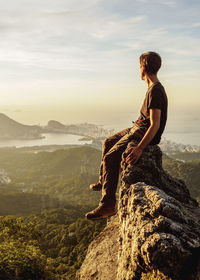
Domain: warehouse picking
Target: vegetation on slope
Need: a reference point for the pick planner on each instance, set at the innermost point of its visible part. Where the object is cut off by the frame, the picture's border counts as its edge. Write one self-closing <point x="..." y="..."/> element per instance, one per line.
<point x="49" y="190"/>
<point x="48" y="245"/>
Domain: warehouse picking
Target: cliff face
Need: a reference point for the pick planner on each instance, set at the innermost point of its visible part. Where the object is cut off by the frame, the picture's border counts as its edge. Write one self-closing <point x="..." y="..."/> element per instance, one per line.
<point x="157" y="228"/>
<point x="101" y="260"/>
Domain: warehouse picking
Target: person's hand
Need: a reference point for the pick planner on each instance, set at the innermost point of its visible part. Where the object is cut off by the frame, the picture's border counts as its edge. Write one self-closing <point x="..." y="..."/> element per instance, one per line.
<point x="133" y="154"/>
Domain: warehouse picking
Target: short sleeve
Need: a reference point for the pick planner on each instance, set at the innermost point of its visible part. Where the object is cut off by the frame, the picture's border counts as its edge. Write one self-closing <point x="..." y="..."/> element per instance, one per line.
<point x="155" y="98"/>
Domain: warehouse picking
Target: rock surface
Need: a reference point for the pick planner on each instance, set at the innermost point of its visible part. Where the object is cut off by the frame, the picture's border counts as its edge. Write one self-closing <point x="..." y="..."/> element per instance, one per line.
<point x="101" y="259"/>
<point x="158" y="229"/>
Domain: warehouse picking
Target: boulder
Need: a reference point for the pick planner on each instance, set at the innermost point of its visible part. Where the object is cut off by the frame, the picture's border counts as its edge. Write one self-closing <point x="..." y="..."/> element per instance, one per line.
<point x="156" y="232"/>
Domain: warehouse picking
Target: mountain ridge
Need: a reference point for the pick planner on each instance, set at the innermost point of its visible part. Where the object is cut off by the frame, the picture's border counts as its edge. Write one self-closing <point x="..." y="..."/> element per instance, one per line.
<point x="10" y="129"/>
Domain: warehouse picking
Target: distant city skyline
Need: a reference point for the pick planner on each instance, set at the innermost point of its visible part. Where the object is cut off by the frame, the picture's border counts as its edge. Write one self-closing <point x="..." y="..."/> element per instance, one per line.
<point x="79" y="60"/>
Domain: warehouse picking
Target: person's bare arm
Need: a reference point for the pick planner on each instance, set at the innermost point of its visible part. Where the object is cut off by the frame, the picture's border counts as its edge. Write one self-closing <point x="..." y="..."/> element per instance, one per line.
<point x="134" y="153"/>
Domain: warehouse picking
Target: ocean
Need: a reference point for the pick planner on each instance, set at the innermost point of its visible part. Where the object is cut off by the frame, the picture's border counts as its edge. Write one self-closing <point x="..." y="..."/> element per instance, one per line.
<point x="50" y="139"/>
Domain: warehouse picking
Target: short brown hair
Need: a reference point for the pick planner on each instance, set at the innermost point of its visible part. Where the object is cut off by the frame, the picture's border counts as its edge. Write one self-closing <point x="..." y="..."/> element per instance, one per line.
<point x="151" y="61"/>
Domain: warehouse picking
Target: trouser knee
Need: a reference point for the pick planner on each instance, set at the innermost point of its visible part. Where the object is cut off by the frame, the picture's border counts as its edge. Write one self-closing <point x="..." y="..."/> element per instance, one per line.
<point x="107" y="145"/>
<point x="111" y="160"/>
<point x="106" y="141"/>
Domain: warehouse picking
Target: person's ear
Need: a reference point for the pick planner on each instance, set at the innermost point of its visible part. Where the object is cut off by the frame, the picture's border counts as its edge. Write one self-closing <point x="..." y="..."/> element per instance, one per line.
<point x="143" y="68"/>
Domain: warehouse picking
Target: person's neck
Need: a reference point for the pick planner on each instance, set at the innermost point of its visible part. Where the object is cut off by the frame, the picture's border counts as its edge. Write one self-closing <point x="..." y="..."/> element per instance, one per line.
<point x="150" y="80"/>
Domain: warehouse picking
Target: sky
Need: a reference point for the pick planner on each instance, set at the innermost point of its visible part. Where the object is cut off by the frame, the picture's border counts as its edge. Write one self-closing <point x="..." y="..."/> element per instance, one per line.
<point x="78" y="61"/>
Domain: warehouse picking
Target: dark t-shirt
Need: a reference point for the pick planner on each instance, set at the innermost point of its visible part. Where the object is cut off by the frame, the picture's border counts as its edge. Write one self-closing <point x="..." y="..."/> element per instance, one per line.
<point x="155" y="98"/>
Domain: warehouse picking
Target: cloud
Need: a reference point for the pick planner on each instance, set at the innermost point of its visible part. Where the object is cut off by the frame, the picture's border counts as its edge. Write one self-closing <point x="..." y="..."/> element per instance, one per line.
<point x="79" y="39"/>
<point x="110" y="26"/>
<point x="169" y="3"/>
<point x="68" y="40"/>
<point x="184" y="75"/>
<point x="183" y="46"/>
<point x="196" y="24"/>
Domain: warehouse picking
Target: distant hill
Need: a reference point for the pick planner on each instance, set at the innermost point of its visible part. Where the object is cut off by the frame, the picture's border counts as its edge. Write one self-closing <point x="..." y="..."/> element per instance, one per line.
<point x="10" y="129"/>
<point x="171" y="147"/>
<point x="55" y="125"/>
<point x="84" y="129"/>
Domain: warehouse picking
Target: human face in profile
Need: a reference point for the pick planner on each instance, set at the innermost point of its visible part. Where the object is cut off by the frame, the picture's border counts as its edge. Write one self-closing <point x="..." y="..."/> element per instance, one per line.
<point x="142" y="71"/>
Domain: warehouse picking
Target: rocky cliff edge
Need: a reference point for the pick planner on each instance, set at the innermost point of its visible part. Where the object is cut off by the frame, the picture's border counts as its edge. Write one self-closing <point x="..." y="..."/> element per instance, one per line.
<point x="156" y="232"/>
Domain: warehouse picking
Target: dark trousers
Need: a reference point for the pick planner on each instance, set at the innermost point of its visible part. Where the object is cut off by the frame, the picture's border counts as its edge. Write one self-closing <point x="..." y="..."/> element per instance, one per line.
<point x="113" y="147"/>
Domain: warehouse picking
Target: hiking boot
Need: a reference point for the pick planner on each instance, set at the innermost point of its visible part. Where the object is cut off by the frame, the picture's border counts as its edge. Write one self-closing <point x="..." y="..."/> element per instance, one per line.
<point x="96" y="187"/>
<point x="101" y="212"/>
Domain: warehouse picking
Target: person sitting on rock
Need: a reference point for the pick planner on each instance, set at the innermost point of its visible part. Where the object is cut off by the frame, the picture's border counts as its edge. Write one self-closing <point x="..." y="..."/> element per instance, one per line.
<point x="146" y="130"/>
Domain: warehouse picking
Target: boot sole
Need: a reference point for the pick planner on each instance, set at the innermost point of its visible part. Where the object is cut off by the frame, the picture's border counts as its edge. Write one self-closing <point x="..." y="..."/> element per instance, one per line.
<point x="102" y="217"/>
<point x="93" y="189"/>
